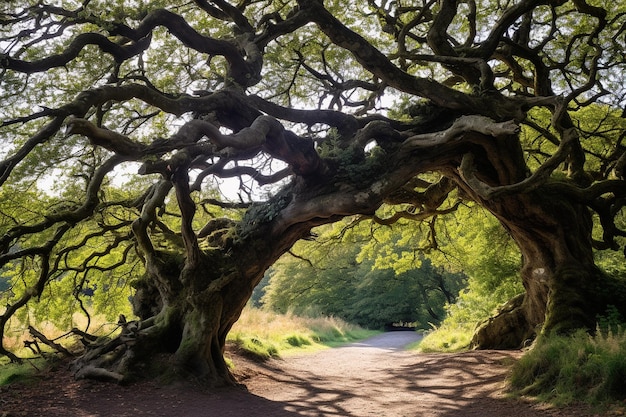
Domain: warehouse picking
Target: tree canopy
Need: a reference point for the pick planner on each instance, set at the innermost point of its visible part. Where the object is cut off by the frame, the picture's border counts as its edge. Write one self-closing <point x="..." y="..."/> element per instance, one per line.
<point x="181" y="147"/>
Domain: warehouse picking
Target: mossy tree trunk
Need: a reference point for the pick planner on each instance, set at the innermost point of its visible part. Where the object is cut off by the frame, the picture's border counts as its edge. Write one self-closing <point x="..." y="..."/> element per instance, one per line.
<point x="189" y="299"/>
<point x="551" y="222"/>
<point x="185" y="339"/>
<point x="565" y="290"/>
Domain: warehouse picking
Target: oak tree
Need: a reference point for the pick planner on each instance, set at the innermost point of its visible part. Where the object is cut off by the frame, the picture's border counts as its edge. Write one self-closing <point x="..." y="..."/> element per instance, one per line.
<point x="120" y="119"/>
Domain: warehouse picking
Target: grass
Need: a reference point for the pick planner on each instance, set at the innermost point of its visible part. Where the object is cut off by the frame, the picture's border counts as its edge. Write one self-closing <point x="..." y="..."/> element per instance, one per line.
<point x="449" y="337"/>
<point x="263" y="334"/>
<point x="13" y="372"/>
<point x="558" y="370"/>
<point x="579" y="368"/>
<point x="33" y="363"/>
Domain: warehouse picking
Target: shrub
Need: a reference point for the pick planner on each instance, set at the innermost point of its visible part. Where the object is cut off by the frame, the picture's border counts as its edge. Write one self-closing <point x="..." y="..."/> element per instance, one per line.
<point x="256" y="348"/>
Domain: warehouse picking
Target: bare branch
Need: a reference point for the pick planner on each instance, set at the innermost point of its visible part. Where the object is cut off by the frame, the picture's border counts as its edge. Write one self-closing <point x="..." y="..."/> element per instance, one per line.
<point x="460" y="127"/>
<point x="37" y="334"/>
<point x="417" y="216"/>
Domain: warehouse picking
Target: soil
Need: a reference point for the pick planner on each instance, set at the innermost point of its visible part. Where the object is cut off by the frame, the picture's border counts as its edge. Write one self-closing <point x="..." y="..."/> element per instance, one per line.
<point x="375" y="377"/>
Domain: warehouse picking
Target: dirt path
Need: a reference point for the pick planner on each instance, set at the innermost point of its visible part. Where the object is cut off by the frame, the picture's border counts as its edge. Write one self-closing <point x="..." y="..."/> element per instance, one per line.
<point x="372" y="378"/>
<point x="378" y="378"/>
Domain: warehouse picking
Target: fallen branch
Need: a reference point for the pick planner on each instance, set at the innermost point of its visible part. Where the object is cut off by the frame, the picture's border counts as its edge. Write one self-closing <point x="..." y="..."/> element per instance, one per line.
<point x="38" y="335"/>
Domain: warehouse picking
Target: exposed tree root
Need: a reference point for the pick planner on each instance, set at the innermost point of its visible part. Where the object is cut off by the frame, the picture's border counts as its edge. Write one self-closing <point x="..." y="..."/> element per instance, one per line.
<point x="508" y="329"/>
<point x="101" y="374"/>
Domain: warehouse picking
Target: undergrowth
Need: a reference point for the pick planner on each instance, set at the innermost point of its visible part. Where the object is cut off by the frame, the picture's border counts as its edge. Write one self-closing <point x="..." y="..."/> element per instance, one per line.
<point x="579" y="368"/>
<point x="259" y="334"/>
<point x="39" y="356"/>
<point x="27" y="370"/>
<point x="480" y="300"/>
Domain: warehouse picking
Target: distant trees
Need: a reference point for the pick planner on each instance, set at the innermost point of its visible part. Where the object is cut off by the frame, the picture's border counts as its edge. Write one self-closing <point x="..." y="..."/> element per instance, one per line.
<point x="338" y="278"/>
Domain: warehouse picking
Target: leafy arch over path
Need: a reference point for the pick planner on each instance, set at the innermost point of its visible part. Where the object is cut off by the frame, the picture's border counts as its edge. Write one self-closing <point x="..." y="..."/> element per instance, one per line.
<point x="512" y="106"/>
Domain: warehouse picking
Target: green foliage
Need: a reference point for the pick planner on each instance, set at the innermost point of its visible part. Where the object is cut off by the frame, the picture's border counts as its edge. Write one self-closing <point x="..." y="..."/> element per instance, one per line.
<point x="600" y="126"/>
<point x="565" y="370"/>
<point x="449" y="337"/>
<point x="484" y="251"/>
<point x="335" y="280"/>
<point x="379" y="279"/>
<point x="476" y="303"/>
<point x="95" y="266"/>
<point x="297" y="340"/>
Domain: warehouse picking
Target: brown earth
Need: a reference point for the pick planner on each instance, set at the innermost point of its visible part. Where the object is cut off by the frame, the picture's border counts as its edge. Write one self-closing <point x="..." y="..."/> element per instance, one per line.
<point x="375" y="377"/>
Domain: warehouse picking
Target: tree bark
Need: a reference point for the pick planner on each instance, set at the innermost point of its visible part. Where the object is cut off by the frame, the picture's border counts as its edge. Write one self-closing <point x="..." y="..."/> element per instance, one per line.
<point x="565" y="290"/>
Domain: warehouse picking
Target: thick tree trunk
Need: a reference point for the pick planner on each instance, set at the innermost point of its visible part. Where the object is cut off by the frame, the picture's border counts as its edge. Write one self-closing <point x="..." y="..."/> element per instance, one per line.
<point x="565" y="291"/>
<point x="185" y="340"/>
<point x="186" y="307"/>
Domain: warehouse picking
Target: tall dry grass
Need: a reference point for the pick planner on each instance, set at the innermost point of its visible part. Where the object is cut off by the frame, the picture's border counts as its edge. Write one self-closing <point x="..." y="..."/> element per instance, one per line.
<point x="264" y="334"/>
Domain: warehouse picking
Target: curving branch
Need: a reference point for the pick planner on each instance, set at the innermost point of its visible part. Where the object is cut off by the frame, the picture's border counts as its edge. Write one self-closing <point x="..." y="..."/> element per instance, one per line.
<point x="187" y="206"/>
<point x="418" y="216"/>
<point x="153" y="200"/>
<point x="36" y="290"/>
<point x="245" y="71"/>
<point x="233" y="14"/>
<point x="94" y="98"/>
<point x="254" y="173"/>
<point x="537" y="179"/>
<point x="119" y="52"/>
<point x="105" y="138"/>
<point x="434" y="195"/>
<point x="347" y="124"/>
<point x="44" y="134"/>
<point x="296" y="18"/>
<point x="377" y="63"/>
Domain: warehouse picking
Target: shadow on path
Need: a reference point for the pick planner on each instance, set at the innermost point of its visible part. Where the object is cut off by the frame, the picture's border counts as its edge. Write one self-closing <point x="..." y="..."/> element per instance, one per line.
<point x="65" y="397"/>
<point x="373" y="379"/>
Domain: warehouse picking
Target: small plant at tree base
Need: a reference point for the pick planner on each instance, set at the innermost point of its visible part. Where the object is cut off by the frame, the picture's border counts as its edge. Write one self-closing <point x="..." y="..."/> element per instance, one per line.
<point x="610" y="322"/>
